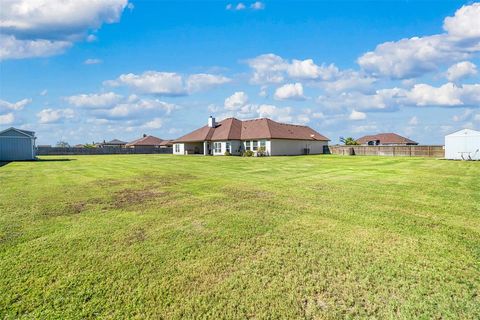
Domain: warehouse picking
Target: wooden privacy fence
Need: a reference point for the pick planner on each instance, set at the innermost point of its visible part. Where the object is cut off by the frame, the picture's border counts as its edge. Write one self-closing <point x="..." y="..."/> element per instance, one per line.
<point x="54" y="151"/>
<point x="393" y="151"/>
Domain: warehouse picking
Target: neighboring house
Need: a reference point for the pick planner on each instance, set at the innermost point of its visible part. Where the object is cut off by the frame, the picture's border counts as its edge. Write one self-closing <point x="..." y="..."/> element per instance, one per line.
<point x="145" y="142"/>
<point x="386" y="139"/>
<point x="236" y="136"/>
<point x="166" y="144"/>
<point x="463" y="145"/>
<point x="16" y="144"/>
<point x="115" y="143"/>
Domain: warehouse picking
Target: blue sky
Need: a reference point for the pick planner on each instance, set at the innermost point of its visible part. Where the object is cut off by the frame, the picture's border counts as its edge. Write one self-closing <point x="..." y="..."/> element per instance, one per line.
<point x="85" y="71"/>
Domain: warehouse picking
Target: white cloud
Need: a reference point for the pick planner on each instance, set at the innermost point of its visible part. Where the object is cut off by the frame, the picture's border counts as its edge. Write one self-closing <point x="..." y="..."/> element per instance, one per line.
<point x="15" y="106"/>
<point x="236" y="101"/>
<point x="416" y="56"/>
<point x="93" y="61"/>
<point x="461" y="70"/>
<point x="271" y="68"/>
<point x="7" y="118"/>
<point x="135" y="107"/>
<point x="420" y="95"/>
<point x="168" y="83"/>
<point x="267" y="68"/>
<point x="229" y="6"/>
<point x="12" y="48"/>
<point x="155" y="123"/>
<point x="95" y="100"/>
<point x="44" y="92"/>
<point x="447" y="95"/>
<point x="350" y="81"/>
<point x="290" y="91"/>
<point x="258" y="5"/>
<point x="54" y="115"/>
<point x="465" y="23"/>
<point x="357" y="115"/>
<point x="43" y="28"/>
<point x="271" y="111"/>
<point x="154" y="82"/>
<point x="240" y="6"/>
<point x="203" y="81"/>
<point x="307" y="69"/>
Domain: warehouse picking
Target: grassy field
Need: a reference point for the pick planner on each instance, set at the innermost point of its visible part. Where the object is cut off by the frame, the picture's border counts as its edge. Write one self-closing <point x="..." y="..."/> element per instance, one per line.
<point x="316" y="237"/>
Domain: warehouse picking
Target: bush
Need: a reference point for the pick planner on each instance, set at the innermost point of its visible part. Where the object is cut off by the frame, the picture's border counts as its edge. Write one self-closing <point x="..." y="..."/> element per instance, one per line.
<point x="227" y="153"/>
<point x="262" y="152"/>
<point x="248" y="153"/>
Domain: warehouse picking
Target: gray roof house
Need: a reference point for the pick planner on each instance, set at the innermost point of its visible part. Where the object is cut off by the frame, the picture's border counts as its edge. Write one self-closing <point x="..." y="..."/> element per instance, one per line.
<point x="17" y="144"/>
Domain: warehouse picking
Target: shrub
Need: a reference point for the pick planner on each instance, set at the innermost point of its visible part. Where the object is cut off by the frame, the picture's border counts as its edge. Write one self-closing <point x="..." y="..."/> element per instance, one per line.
<point x="261" y="152"/>
<point x="227" y="153"/>
<point x="248" y="153"/>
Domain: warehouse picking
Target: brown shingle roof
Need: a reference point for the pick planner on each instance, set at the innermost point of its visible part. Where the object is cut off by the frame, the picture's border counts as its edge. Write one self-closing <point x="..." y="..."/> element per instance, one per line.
<point x="386" y="138"/>
<point x="166" y="143"/>
<point x="146" y="141"/>
<point x="235" y="129"/>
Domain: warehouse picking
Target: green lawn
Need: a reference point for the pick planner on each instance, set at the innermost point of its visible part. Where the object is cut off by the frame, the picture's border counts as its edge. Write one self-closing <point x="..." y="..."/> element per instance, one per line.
<point x="314" y="237"/>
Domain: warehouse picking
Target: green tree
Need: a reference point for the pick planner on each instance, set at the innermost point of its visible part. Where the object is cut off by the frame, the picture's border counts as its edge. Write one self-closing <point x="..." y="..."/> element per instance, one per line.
<point x="349" y="141"/>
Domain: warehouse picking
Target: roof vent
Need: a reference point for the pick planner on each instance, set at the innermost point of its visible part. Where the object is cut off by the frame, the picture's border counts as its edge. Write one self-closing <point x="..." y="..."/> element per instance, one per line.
<point x="144" y="135"/>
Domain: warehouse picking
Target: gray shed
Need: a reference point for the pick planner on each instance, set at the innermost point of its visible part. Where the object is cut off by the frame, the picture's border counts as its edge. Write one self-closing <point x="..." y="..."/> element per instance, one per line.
<point x="17" y="144"/>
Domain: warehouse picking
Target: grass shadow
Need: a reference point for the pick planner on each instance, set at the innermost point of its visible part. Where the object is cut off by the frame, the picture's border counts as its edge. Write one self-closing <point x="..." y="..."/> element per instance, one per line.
<point x="4" y="163"/>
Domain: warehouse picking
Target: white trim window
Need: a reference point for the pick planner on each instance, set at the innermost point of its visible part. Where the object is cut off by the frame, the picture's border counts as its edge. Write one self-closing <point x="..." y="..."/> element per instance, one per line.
<point x="177" y="148"/>
<point x="247" y="145"/>
<point x="254" y="145"/>
<point x="217" y="147"/>
<point x="228" y="147"/>
<point x="263" y="143"/>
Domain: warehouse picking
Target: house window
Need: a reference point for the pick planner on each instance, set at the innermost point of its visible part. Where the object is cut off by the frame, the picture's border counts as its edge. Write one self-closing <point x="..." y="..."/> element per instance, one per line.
<point x="177" y="148"/>
<point x="263" y="143"/>
<point x="255" y="145"/>
<point x="228" y="147"/>
<point x="247" y="145"/>
<point x="217" y="147"/>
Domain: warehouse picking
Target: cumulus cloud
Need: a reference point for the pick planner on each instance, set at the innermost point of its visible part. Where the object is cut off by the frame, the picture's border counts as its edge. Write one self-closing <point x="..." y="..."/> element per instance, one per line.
<point x="465" y="23"/>
<point x="49" y="115"/>
<point x="357" y="115"/>
<point x="271" y="68"/>
<point x="447" y="95"/>
<point x="258" y="5"/>
<point x="290" y="91"/>
<point x="461" y="70"/>
<point x="240" y="6"/>
<point x="203" y="81"/>
<point x="136" y="108"/>
<point x="95" y="100"/>
<point x="155" y="123"/>
<point x="413" y="57"/>
<point x="168" y="83"/>
<point x="43" y="28"/>
<point x="7" y="118"/>
<point x="420" y="95"/>
<point x="236" y="101"/>
<point x="15" y="106"/>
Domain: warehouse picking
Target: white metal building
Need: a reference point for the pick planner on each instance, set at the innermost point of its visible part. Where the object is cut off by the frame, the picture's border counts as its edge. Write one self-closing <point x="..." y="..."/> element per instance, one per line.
<point x="16" y="144"/>
<point x="463" y="145"/>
